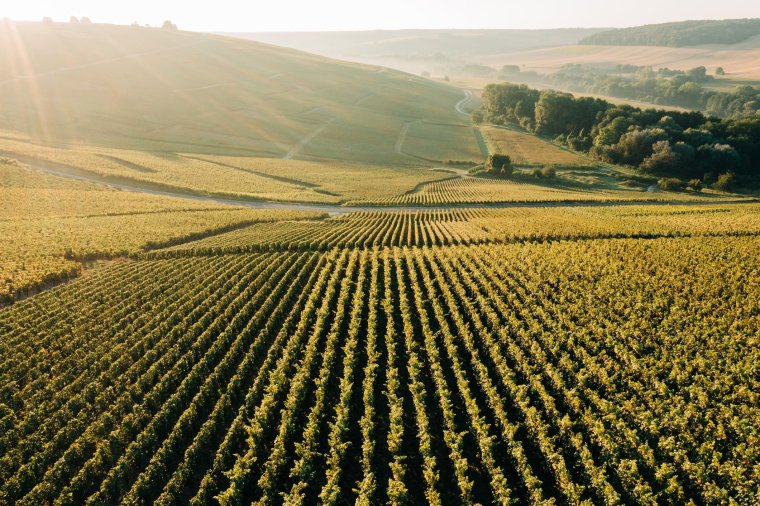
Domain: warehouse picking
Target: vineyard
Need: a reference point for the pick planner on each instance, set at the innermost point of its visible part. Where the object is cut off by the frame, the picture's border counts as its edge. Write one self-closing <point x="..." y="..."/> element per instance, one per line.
<point x="607" y="371"/>
<point x="474" y="226"/>
<point x="51" y="225"/>
<point x="234" y="274"/>
<point x="477" y="190"/>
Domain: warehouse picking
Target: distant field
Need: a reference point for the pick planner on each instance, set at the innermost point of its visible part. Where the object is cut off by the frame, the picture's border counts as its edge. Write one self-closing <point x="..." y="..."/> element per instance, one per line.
<point x="525" y="148"/>
<point x="573" y="186"/>
<point x="442" y="142"/>
<point x="343" y="181"/>
<point x="234" y="177"/>
<point x="473" y="226"/>
<point x="743" y="63"/>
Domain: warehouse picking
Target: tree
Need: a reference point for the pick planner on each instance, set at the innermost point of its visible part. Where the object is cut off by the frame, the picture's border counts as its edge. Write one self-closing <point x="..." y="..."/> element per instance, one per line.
<point x="47" y="20"/>
<point x="717" y="157"/>
<point x="168" y="25"/>
<point x="697" y="74"/>
<point x="500" y="164"/>
<point x="635" y="146"/>
<point x="85" y="20"/>
<point x="720" y="71"/>
<point x="611" y="134"/>
<point x="74" y="20"/>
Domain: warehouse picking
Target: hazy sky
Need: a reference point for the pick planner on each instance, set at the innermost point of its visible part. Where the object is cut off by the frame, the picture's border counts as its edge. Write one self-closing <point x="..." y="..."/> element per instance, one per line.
<point x="286" y="15"/>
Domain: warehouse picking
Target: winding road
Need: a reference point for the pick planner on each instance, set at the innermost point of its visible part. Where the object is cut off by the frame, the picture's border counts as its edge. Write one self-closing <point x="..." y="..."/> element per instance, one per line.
<point x="460" y="105"/>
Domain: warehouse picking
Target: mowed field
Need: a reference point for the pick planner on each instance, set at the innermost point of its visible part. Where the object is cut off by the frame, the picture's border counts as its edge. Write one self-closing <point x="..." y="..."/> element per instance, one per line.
<point x="524" y="148"/>
<point x="599" y="370"/>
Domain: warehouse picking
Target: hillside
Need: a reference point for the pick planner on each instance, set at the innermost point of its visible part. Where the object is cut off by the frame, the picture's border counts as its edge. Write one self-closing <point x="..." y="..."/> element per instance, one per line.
<point x="420" y="50"/>
<point x="162" y="90"/>
<point x="680" y="34"/>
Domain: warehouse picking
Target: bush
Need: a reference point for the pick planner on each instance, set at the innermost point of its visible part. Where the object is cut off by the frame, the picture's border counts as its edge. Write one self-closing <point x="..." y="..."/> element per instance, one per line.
<point x="670" y="184"/>
<point x="537" y="173"/>
<point x="549" y="172"/>
<point x="695" y="184"/>
<point x="725" y="182"/>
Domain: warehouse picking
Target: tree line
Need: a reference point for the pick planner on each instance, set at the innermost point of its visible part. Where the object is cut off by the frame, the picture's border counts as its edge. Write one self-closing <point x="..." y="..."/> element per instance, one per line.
<point x="645" y="84"/>
<point x="684" y="145"/>
<point x="662" y="87"/>
<point x="680" y="34"/>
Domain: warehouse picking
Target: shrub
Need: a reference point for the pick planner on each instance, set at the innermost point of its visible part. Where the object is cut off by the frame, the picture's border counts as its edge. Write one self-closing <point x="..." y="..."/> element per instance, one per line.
<point x="670" y="184"/>
<point x="725" y="182"/>
<point x="549" y="172"/>
<point x="695" y="184"/>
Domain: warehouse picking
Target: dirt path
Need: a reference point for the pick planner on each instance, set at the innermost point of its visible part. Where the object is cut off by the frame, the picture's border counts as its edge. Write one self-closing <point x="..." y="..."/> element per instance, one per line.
<point x="306" y="140"/>
<point x="460" y="105"/>
<point x="398" y="148"/>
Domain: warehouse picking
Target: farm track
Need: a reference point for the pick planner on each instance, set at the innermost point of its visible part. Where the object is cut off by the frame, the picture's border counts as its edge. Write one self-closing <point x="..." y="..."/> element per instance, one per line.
<point x="334" y="209"/>
<point x="460" y="105"/>
<point x="306" y="140"/>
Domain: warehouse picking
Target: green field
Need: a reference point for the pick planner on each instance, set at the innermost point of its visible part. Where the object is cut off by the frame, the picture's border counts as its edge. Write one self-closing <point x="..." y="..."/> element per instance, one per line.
<point x="430" y="141"/>
<point x="233" y="273"/>
<point x="524" y="148"/>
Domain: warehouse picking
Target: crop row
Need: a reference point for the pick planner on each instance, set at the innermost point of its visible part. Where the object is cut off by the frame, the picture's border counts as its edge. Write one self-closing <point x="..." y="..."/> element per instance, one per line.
<point x="604" y="372"/>
<point x="476" y="226"/>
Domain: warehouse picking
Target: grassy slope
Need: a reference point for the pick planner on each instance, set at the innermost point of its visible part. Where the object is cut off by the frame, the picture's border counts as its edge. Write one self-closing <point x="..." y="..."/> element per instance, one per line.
<point x="157" y="90"/>
<point x="525" y="148"/>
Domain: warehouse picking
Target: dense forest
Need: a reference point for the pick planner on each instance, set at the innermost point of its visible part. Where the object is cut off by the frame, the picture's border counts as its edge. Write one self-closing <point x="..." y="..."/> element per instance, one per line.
<point x="681" y="34"/>
<point x="684" y="145"/>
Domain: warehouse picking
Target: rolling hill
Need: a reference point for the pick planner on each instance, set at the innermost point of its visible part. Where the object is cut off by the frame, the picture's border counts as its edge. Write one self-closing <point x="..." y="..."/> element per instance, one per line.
<point x="420" y="50"/>
<point x="475" y="53"/>
<point x="680" y="34"/>
<point x="152" y="89"/>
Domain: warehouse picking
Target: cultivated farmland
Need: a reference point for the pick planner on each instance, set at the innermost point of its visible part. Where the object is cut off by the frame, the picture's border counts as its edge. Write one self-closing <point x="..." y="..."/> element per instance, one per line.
<point x="232" y="273"/>
<point x="491" y="373"/>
